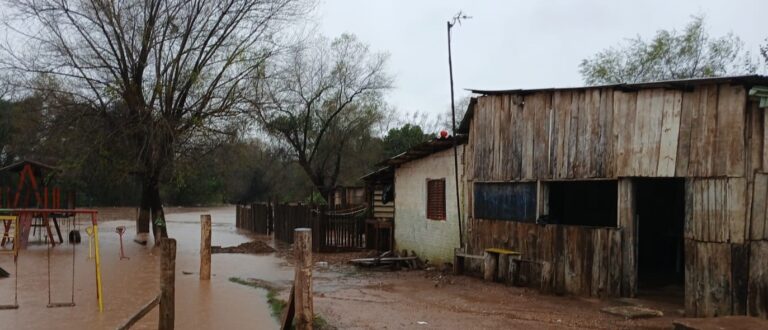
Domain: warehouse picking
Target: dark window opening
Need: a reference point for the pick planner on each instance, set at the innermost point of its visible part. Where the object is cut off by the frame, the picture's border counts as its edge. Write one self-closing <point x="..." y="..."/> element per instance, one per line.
<point x="505" y="201"/>
<point x="583" y="203"/>
<point x="660" y="209"/>
<point x="436" y="199"/>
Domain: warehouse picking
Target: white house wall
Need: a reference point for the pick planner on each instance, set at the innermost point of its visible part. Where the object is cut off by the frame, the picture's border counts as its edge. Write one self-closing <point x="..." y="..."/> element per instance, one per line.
<point x="433" y="240"/>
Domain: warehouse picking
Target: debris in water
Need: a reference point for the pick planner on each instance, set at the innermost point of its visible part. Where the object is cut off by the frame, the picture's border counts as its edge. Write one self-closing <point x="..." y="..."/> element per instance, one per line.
<point x="186" y="272"/>
<point x="3" y="273"/>
<point x="422" y="323"/>
<point x="249" y="247"/>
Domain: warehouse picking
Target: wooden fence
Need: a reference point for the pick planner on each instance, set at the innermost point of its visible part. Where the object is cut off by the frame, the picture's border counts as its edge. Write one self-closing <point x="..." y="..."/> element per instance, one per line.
<point x="337" y="230"/>
<point x="343" y="230"/>
<point x="255" y="217"/>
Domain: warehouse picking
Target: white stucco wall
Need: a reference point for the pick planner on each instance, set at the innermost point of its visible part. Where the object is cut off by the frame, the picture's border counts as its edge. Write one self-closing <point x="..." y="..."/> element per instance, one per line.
<point x="430" y="239"/>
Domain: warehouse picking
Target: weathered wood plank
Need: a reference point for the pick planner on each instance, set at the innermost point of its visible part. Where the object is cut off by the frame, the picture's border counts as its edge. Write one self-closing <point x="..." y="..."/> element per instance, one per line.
<point x="736" y="206"/>
<point x="528" y="136"/>
<point x="516" y="106"/>
<point x="692" y="293"/>
<point x="597" y="285"/>
<point x="689" y="207"/>
<point x="562" y="125"/>
<point x="606" y="153"/>
<point x="573" y="135"/>
<point x="757" y="293"/>
<point x="541" y="103"/>
<point x="687" y="111"/>
<point x="652" y="137"/>
<point x="759" y="196"/>
<point x="591" y="149"/>
<point x="719" y="283"/>
<point x="731" y="104"/>
<point x="640" y="153"/>
<point x="615" y="263"/>
<point x="620" y="135"/>
<point x="754" y="138"/>
<point x="670" y="129"/>
<point x="626" y="211"/>
<point x="706" y="143"/>
<point x="765" y="142"/>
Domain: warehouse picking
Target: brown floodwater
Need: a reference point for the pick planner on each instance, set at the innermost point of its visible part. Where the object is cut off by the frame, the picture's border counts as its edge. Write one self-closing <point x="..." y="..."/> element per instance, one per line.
<point x="129" y="284"/>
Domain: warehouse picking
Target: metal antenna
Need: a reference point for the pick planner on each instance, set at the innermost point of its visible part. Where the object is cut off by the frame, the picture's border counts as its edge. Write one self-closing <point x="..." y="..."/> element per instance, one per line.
<point x="456" y="19"/>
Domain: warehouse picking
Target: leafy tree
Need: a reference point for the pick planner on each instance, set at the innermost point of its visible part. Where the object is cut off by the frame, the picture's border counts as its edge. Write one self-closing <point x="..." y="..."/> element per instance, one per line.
<point x="672" y="54"/>
<point x="764" y="53"/>
<point x="167" y="75"/>
<point x="320" y="100"/>
<point x="399" y="140"/>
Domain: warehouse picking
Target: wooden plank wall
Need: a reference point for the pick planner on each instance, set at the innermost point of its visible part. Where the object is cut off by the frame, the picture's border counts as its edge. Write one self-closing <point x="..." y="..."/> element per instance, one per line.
<point x="579" y="260"/>
<point x="609" y="133"/>
<point x="381" y="210"/>
<point x="711" y="134"/>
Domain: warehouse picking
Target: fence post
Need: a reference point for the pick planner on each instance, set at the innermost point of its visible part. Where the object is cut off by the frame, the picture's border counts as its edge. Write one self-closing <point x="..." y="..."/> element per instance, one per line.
<point x="303" y="282"/>
<point x="205" y="247"/>
<point x="167" y="283"/>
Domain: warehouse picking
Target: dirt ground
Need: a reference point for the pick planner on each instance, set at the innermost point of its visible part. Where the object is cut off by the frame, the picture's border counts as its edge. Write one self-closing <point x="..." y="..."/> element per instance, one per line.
<point x="346" y="297"/>
<point x="430" y="300"/>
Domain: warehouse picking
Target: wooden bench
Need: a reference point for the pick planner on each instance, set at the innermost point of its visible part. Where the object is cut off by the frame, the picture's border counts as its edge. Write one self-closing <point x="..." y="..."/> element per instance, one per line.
<point x="496" y="263"/>
<point x="459" y="255"/>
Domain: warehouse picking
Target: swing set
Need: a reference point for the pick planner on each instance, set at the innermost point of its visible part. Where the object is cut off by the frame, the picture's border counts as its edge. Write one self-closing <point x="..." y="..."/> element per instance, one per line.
<point x="20" y="218"/>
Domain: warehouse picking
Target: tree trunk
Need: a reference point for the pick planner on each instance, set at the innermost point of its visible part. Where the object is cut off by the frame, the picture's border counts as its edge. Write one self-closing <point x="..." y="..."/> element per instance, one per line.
<point x="143" y="220"/>
<point x="151" y="213"/>
<point x="159" y="228"/>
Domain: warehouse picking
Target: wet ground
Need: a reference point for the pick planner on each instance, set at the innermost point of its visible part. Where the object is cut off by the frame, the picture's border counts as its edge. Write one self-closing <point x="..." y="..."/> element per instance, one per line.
<point x="346" y="297"/>
<point x="129" y="284"/>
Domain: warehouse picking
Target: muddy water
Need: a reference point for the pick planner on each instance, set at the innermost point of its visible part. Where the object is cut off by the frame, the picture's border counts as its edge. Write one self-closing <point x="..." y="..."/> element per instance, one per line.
<point x="128" y="284"/>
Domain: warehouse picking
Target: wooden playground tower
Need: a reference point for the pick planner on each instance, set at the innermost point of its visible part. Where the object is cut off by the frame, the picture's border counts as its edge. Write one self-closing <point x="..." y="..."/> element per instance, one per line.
<point x="20" y="213"/>
<point x="33" y="190"/>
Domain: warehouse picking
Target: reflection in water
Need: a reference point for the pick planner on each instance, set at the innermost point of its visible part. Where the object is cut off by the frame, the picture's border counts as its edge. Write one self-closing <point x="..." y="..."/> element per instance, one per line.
<point x="130" y="283"/>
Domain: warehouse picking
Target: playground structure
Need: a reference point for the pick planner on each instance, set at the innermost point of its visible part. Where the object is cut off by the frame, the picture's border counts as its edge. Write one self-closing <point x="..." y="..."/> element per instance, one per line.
<point x="21" y="216"/>
<point x="33" y="189"/>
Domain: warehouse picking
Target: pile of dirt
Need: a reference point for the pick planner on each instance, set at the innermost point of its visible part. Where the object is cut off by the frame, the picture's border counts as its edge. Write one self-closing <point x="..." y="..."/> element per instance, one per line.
<point x="249" y="247"/>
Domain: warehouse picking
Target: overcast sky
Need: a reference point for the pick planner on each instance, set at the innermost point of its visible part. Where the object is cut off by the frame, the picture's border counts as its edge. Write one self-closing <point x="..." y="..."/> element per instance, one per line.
<point x="515" y="44"/>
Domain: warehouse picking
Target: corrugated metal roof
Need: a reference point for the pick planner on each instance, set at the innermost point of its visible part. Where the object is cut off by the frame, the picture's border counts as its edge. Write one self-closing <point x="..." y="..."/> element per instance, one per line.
<point x="423" y="150"/>
<point x="750" y="80"/>
<point x="679" y="83"/>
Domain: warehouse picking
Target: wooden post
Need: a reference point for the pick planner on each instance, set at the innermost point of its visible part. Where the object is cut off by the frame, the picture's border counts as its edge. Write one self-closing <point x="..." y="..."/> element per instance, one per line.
<point x="489" y="266"/>
<point x="205" y="247"/>
<point x="302" y="245"/>
<point x="167" y="283"/>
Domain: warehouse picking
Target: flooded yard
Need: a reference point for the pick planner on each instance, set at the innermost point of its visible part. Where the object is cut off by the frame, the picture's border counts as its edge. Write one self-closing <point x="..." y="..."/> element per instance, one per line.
<point x="345" y="297"/>
<point x="130" y="283"/>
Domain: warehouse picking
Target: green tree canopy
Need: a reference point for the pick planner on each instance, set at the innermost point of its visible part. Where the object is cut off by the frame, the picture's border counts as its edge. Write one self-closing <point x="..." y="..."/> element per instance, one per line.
<point x="399" y="140"/>
<point x="670" y="54"/>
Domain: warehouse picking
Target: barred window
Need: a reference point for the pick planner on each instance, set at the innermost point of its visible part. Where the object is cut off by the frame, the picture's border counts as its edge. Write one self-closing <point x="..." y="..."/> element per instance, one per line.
<point x="436" y="199"/>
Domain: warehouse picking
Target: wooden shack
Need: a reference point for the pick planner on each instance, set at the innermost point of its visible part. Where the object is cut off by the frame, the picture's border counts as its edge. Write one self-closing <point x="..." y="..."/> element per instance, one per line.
<point x="626" y="190"/>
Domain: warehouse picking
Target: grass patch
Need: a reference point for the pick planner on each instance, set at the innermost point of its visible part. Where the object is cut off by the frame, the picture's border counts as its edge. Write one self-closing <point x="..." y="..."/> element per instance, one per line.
<point x="276" y="304"/>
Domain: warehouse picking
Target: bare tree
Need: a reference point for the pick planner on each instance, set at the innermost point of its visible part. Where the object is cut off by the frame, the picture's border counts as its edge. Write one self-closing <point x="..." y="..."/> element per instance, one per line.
<point x="318" y="97"/>
<point x="168" y="74"/>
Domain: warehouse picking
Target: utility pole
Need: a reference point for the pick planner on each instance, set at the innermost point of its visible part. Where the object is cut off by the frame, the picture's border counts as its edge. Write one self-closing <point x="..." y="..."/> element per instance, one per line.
<point x="456" y="19"/>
